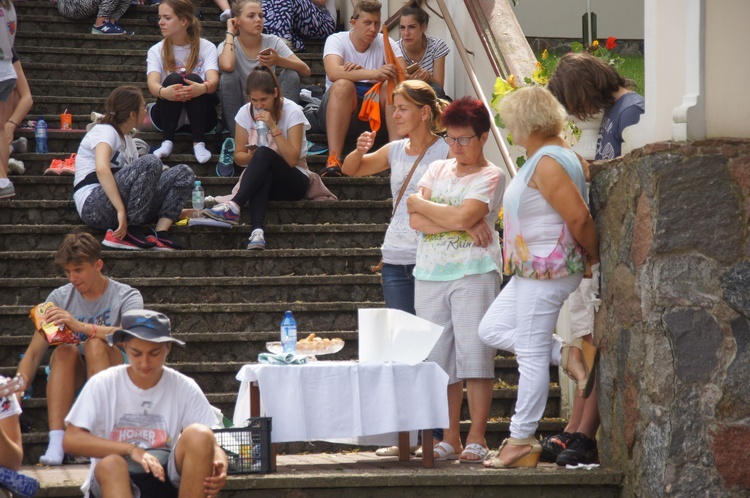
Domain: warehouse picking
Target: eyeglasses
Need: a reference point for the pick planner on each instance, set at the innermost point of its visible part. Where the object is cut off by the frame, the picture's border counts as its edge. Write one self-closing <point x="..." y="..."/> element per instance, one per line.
<point x="463" y="141"/>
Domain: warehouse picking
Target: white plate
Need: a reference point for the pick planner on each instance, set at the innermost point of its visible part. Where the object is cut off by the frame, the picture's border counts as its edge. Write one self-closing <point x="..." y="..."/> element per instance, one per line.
<point x="275" y="347"/>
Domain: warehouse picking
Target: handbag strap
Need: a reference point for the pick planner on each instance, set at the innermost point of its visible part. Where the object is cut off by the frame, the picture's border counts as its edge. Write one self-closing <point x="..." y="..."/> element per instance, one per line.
<point x="411" y="173"/>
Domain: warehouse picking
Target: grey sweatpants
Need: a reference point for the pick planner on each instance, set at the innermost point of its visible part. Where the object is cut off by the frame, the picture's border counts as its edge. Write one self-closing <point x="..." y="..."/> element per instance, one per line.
<point x="148" y="194"/>
<point x="81" y="9"/>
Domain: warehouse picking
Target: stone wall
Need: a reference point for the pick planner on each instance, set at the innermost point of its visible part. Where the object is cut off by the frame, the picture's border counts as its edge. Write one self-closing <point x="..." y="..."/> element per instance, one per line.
<point x="674" y="327"/>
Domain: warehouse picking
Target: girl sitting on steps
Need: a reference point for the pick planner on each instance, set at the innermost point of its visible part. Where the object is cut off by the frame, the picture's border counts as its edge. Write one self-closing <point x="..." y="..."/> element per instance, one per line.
<point x="185" y="101"/>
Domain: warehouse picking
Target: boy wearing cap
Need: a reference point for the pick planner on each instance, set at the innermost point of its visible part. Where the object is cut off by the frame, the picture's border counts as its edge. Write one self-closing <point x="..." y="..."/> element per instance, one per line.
<point x="91" y="305"/>
<point x="126" y="410"/>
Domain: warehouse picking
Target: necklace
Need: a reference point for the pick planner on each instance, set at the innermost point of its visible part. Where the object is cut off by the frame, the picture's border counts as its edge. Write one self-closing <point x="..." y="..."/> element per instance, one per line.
<point x="420" y="54"/>
<point x="464" y="172"/>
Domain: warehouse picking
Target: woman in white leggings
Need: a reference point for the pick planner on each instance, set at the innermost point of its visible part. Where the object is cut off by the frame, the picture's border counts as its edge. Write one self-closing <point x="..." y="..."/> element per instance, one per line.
<point x="549" y="238"/>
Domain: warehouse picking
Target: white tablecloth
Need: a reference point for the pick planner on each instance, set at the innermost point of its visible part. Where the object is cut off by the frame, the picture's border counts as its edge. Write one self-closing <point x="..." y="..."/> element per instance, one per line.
<point x="334" y="400"/>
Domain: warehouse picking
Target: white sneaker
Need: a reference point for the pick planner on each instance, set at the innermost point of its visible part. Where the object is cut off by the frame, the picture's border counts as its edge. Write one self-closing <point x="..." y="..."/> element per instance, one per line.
<point x="16" y="167"/>
<point x="256" y="240"/>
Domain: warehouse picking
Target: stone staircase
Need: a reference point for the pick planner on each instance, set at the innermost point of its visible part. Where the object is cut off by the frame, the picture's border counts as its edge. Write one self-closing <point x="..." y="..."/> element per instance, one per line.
<point x="224" y="301"/>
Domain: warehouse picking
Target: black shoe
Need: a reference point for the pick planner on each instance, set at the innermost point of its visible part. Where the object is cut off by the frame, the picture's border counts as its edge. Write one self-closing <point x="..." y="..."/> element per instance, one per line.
<point x="552" y="446"/>
<point x="580" y="450"/>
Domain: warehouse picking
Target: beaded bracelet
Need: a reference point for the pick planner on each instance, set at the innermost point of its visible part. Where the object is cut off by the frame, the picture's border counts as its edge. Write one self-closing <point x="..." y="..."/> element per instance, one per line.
<point x="94" y="334"/>
<point x="276" y="134"/>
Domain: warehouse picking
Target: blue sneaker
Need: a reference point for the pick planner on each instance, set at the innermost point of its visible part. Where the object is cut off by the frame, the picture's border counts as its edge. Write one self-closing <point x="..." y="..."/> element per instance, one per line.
<point x="110" y="29"/>
<point x="18" y="484"/>
<point x="314" y="149"/>
<point x="225" y="166"/>
<point x="256" y="240"/>
<point x="228" y="212"/>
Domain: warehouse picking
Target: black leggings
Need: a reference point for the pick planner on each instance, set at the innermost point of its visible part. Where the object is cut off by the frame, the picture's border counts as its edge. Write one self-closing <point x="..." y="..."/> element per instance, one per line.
<point x="269" y="177"/>
<point x="201" y="111"/>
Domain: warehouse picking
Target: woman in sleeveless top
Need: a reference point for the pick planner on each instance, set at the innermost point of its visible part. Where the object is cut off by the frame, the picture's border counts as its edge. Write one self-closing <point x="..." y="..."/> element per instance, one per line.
<point x="550" y="238"/>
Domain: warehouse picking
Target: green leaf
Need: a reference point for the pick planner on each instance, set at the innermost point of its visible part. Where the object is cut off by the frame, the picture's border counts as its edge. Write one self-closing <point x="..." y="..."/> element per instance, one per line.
<point x="520" y="161"/>
<point x="576" y="47"/>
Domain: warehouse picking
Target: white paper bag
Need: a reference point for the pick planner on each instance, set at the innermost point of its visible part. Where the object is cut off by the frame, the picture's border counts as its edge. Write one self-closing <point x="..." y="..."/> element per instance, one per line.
<point x="394" y="335"/>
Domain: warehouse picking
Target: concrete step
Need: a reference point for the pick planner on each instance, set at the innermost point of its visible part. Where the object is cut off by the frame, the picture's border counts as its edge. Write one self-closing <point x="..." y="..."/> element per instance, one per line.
<point x="259" y="289"/>
<point x="279" y="212"/>
<point x="364" y="236"/>
<point x="216" y="263"/>
<point x="199" y="317"/>
<point x="31" y="186"/>
<point x="35" y="443"/>
<point x="67" y="142"/>
<point x="349" y="473"/>
<point x="134" y="58"/>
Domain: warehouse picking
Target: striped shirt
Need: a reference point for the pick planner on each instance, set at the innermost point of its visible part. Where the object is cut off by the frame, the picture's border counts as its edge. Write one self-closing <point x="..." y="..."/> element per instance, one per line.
<point x="436" y="49"/>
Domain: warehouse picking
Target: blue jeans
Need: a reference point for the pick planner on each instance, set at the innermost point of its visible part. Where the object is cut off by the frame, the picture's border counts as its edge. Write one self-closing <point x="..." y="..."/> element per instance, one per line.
<point x="398" y="290"/>
<point x="398" y="287"/>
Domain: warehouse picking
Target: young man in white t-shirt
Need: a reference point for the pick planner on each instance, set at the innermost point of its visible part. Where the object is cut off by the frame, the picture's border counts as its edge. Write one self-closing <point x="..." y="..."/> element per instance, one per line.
<point x="354" y="61"/>
<point x="91" y="306"/>
<point x="146" y="426"/>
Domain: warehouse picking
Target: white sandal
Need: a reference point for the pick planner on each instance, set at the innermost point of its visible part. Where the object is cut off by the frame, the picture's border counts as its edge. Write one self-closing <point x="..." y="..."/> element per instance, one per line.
<point x="445" y="451"/>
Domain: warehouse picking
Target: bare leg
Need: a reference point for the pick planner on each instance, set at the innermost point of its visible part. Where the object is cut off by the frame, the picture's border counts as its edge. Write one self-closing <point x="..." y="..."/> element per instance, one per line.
<point x="5" y="111"/>
<point x="342" y="103"/>
<point x="589" y="424"/>
<point x="194" y="456"/>
<point x="479" y="393"/>
<point x="577" y="413"/>
<point x="112" y="475"/>
<point x="11" y="451"/>
<point x="452" y="434"/>
<point x="99" y="356"/>
<point x="65" y="364"/>
<point x="163" y="224"/>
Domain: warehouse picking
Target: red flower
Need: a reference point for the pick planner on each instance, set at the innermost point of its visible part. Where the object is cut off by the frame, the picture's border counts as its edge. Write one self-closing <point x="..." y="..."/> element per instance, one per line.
<point x="611" y="43"/>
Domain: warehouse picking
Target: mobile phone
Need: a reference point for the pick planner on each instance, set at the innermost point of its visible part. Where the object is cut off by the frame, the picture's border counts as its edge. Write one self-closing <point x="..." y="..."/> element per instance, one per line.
<point x="412" y="69"/>
<point x="265" y="51"/>
<point x="251" y="147"/>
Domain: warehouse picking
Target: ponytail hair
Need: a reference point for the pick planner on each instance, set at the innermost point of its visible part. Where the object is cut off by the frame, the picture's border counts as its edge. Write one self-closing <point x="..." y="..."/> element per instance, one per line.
<point x="121" y="102"/>
<point x="414" y="8"/>
<point x="421" y="94"/>
<point x="263" y="79"/>
<point x="183" y="9"/>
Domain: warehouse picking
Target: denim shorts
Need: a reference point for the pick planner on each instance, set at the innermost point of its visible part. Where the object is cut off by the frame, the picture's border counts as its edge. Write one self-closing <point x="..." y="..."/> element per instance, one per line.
<point x="6" y="89"/>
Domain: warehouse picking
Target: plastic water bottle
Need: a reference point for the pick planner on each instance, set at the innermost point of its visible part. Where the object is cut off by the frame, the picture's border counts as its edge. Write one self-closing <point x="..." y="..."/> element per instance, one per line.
<point x="28" y="393"/>
<point x="289" y="333"/>
<point x="198" y="196"/>
<point x="262" y="133"/>
<point x="40" y="134"/>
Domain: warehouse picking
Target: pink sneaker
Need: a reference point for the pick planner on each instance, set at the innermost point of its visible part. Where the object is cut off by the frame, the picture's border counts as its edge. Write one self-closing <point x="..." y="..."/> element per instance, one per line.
<point x="69" y="165"/>
<point x="115" y="243"/>
<point x="55" y="167"/>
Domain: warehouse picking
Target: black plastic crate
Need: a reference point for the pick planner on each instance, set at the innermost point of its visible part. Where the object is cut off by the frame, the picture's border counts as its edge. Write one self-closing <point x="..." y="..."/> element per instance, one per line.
<point x="248" y="448"/>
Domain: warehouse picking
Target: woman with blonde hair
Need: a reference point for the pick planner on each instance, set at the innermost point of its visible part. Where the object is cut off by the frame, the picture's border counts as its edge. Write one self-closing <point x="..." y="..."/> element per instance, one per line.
<point x="416" y="112"/>
<point x="183" y="74"/>
<point x="549" y="239"/>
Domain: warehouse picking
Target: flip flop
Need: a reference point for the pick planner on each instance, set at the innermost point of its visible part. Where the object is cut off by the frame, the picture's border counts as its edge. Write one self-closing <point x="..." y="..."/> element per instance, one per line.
<point x="474" y="449"/>
<point x="445" y="451"/>
<point x="19" y="484"/>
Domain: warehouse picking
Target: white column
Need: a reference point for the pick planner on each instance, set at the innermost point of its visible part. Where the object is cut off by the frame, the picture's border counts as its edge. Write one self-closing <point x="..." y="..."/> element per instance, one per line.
<point x="689" y="118"/>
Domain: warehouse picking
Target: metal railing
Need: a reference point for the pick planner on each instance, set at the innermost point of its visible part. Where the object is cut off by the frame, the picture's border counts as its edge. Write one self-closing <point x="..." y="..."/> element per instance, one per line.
<point x="463" y="54"/>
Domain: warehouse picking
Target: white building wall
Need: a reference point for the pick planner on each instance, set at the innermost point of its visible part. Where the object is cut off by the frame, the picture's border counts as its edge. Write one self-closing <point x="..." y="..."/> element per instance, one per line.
<point x="562" y="18"/>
